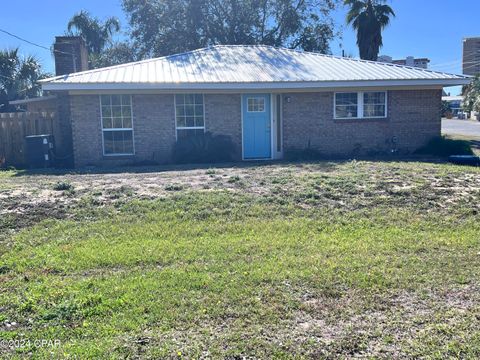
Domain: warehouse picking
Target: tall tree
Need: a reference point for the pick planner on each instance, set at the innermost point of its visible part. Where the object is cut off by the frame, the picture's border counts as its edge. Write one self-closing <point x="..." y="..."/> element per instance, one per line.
<point x="97" y="34"/>
<point x="116" y="53"/>
<point x="369" y="18"/>
<point x="162" y="27"/>
<point x="18" y="78"/>
<point x="471" y="92"/>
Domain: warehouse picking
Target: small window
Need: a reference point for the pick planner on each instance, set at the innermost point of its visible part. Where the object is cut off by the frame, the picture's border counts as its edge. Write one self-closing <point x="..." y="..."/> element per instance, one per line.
<point x="189" y="115"/>
<point x="346" y="105"/>
<point x="117" y="124"/>
<point x="374" y="104"/>
<point x="256" y="104"/>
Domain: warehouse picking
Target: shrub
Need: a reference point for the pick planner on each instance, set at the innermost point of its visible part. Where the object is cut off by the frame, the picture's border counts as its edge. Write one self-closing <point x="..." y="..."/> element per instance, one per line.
<point x="63" y="186"/>
<point x="233" y="179"/>
<point x="205" y="148"/>
<point x="174" y="187"/>
<point x="441" y="146"/>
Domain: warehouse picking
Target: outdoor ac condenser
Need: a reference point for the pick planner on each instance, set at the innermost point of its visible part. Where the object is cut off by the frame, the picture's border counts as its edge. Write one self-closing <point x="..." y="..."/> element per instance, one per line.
<point x="40" y="150"/>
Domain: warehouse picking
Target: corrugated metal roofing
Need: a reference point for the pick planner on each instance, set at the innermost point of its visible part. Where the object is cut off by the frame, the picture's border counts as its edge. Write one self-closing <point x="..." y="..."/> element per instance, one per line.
<point x="237" y="64"/>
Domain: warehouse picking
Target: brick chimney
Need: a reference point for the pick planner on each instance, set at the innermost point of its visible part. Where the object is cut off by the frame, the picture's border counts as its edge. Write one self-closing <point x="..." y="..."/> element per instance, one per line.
<point x="71" y="54"/>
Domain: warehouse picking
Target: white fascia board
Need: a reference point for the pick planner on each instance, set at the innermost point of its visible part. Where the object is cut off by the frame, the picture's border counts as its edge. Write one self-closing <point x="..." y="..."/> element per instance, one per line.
<point x="33" y="100"/>
<point x="253" y="86"/>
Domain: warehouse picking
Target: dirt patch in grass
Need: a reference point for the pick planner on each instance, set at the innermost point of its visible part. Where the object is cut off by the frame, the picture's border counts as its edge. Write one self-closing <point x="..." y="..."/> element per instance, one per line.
<point x="399" y="325"/>
<point x="28" y="199"/>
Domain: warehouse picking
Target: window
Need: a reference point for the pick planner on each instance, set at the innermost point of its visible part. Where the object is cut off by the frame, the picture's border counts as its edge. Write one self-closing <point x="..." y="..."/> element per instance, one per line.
<point x="346" y="105"/>
<point x="374" y="104"/>
<point x="117" y="125"/>
<point x="256" y="104"/>
<point x="358" y="105"/>
<point x="189" y="115"/>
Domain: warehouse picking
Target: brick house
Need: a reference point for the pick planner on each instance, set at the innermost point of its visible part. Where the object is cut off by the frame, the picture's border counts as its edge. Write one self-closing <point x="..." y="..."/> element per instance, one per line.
<point x="267" y="100"/>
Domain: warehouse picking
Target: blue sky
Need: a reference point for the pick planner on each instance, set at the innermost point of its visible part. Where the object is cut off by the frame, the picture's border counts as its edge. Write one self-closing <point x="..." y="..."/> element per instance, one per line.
<point x="422" y="28"/>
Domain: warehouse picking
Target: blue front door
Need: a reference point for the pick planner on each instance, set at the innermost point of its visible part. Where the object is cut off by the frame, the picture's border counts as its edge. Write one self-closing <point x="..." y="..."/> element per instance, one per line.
<point x="256" y="126"/>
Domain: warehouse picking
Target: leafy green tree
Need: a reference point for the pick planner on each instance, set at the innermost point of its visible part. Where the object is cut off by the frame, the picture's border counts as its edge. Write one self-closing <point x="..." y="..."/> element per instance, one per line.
<point x="162" y="27"/>
<point x="369" y="18"/>
<point x="471" y="92"/>
<point x="97" y="34"/>
<point x="18" y="78"/>
<point x="115" y="54"/>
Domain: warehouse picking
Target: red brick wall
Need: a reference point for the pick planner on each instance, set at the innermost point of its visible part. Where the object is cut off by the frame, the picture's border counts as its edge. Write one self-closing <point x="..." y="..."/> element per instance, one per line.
<point x="86" y="130"/>
<point x="154" y="127"/>
<point x="413" y="117"/>
<point x="223" y="116"/>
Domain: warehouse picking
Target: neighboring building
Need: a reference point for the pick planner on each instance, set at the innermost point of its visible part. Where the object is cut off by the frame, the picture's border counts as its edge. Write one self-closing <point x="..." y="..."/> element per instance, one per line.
<point x="471" y="56"/>
<point x="409" y="61"/>
<point x="268" y="100"/>
<point x="455" y="103"/>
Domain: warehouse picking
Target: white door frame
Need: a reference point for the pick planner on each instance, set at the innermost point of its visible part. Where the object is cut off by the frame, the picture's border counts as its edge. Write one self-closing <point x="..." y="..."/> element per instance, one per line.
<point x="275" y="97"/>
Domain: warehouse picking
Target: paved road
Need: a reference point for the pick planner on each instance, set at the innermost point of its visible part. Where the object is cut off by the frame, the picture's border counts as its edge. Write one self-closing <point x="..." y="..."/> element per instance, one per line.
<point x="461" y="127"/>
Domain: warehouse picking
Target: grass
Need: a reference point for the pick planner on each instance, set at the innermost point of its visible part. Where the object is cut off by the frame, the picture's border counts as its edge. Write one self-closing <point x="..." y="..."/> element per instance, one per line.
<point x="327" y="262"/>
<point x="6" y="174"/>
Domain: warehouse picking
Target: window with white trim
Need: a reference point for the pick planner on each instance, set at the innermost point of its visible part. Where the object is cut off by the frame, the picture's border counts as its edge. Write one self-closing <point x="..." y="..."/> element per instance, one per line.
<point x="189" y="115"/>
<point x="117" y="124"/>
<point x="374" y="104"/>
<point x="358" y="105"/>
<point x="256" y="104"/>
<point x="346" y="105"/>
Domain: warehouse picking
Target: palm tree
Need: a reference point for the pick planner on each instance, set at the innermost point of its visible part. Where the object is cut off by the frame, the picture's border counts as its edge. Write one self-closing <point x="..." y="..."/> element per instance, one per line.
<point x="97" y="34"/>
<point x="369" y="18"/>
<point x="18" y="78"/>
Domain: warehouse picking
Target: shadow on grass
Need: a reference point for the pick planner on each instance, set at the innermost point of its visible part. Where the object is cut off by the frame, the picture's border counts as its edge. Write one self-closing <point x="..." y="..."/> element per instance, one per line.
<point x="475" y="144"/>
<point x="324" y="163"/>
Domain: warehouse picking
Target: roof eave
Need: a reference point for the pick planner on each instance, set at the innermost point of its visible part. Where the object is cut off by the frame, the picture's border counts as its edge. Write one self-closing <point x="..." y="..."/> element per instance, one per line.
<point x="55" y="86"/>
<point x="33" y="100"/>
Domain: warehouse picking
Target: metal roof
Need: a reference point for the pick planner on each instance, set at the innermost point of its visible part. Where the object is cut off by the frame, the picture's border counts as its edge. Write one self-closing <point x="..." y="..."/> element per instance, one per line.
<point x="33" y="100"/>
<point x="249" y="67"/>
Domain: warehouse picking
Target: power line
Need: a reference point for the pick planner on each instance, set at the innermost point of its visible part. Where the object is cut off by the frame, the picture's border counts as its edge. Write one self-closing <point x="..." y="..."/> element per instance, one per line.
<point x="454" y="64"/>
<point x="34" y="44"/>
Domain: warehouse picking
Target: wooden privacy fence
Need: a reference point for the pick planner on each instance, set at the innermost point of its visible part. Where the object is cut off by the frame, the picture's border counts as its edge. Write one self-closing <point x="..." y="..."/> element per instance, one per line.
<point x="13" y="129"/>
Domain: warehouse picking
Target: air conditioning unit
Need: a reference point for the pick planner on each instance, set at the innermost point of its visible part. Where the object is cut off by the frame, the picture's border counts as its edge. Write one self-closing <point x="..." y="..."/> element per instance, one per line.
<point x="40" y="150"/>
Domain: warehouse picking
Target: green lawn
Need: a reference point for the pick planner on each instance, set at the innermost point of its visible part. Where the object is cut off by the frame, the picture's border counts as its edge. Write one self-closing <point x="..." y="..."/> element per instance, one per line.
<point x="320" y="260"/>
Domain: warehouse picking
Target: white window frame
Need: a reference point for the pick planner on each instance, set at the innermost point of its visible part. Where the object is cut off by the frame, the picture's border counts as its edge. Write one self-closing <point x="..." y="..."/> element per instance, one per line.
<point x="188" y="127"/>
<point x="116" y="129"/>
<point x="360" y="105"/>
<point x="256" y="98"/>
